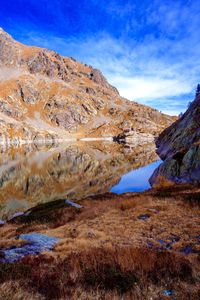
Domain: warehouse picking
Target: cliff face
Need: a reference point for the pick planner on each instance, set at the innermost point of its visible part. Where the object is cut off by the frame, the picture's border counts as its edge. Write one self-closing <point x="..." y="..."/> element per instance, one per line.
<point x="179" y="147"/>
<point x="45" y="95"/>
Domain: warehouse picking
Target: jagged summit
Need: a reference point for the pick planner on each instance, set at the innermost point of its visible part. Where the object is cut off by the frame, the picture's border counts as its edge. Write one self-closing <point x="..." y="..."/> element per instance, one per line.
<point x="43" y="94"/>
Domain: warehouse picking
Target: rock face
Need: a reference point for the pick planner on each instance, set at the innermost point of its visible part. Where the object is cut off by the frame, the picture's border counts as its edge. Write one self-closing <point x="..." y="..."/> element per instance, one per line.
<point x="46" y="96"/>
<point x="179" y="147"/>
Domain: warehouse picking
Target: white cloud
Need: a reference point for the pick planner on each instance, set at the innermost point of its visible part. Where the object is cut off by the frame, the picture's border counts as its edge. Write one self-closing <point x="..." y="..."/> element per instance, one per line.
<point x="155" y="68"/>
<point x="144" y="88"/>
<point x="139" y="72"/>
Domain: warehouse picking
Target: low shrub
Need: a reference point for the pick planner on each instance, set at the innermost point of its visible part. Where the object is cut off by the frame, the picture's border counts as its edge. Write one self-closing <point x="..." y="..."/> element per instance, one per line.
<point x="112" y="269"/>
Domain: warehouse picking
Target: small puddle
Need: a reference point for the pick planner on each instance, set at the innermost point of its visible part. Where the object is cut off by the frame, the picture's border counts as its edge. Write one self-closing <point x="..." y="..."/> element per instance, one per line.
<point x="168" y="293"/>
<point x="168" y="245"/>
<point x="16" y="215"/>
<point x="188" y="250"/>
<point x="143" y="217"/>
<point x="73" y="204"/>
<point x="37" y="243"/>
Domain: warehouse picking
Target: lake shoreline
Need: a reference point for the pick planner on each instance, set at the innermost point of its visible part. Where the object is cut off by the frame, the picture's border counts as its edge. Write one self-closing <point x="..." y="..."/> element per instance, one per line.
<point x="129" y="140"/>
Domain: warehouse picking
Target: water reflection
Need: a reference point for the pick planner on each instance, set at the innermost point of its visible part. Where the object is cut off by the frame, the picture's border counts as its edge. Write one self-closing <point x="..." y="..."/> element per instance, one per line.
<point x="136" y="180"/>
<point x="30" y="175"/>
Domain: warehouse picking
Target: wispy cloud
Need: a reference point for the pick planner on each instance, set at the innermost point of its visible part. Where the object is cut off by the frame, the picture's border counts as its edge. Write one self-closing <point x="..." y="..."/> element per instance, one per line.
<point x="141" y="72"/>
<point x="152" y="56"/>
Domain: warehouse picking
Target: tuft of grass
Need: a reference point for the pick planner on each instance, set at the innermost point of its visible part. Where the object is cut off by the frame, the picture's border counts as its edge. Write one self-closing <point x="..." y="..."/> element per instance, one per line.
<point x="110" y="278"/>
<point x="163" y="182"/>
<point x="192" y="198"/>
<point x="9" y="271"/>
<point x="126" y="204"/>
<point x="15" y="290"/>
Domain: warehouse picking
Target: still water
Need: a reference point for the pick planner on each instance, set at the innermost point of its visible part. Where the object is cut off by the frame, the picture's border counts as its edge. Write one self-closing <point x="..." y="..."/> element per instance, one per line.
<point x="35" y="174"/>
<point x="136" y="180"/>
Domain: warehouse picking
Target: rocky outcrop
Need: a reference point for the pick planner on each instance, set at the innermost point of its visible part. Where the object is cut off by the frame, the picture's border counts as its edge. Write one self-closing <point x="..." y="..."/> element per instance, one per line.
<point x="131" y="136"/>
<point x="179" y="147"/>
<point x="44" y="94"/>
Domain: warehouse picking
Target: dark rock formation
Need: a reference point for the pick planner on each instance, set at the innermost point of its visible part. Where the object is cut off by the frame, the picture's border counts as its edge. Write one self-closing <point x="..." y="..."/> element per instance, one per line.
<point x="179" y="147"/>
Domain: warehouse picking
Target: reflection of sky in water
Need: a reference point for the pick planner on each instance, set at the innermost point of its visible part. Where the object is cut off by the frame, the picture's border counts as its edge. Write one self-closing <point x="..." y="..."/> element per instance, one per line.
<point x="136" y="180"/>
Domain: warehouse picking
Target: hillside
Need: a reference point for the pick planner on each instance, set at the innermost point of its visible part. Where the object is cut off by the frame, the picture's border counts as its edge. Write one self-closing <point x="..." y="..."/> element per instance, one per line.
<point x="45" y="95"/>
<point x="106" y="250"/>
<point x="179" y="147"/>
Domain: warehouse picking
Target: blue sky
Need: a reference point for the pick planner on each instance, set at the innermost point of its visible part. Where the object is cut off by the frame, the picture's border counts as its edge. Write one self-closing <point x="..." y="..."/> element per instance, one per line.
<point x="148" y="49"/>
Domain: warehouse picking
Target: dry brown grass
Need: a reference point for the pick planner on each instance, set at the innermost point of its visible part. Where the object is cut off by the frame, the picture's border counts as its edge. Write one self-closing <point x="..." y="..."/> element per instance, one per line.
<point x="103" y="252"/>
<point x="163" y="182"/>
<point x="116" y="270"/>
<point x="13" y="290"/>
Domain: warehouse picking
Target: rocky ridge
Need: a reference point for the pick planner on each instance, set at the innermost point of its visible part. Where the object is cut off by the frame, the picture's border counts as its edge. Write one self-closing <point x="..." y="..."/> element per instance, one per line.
<point x="179" y="147"/>
<point x="46" y="96"/>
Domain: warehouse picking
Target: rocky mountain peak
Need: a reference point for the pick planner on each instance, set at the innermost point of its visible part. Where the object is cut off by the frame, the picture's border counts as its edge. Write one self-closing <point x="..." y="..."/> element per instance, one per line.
<point x="43" y="94"/>
<point x="45" y="62"/>
<point x="4" y="35"/>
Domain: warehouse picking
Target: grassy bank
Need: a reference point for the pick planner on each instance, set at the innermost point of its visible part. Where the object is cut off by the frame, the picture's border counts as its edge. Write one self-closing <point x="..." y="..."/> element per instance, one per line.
<point x="131" y="246"/>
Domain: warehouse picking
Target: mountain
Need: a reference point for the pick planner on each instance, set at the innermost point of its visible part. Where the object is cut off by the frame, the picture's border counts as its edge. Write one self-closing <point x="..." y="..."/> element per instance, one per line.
<point x="46" y="96"/>
<point x="179" y="147"/>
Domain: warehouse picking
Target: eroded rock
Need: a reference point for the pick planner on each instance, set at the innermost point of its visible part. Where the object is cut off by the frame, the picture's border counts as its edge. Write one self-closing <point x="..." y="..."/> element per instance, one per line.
<point x="179" y="147"/>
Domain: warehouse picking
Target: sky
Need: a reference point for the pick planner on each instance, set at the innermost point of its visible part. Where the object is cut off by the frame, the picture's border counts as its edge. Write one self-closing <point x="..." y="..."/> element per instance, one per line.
<point x="148" y="49"/>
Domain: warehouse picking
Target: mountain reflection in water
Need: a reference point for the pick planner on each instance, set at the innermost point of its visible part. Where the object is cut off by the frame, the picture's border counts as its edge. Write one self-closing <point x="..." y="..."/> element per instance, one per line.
<point x="36" y="174"/>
